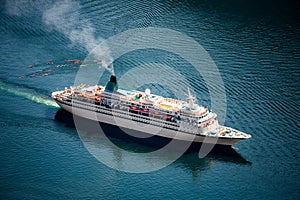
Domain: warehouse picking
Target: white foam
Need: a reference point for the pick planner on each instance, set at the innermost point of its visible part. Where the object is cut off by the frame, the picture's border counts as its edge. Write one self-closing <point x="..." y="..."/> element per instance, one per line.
<point x="28" y="94"/>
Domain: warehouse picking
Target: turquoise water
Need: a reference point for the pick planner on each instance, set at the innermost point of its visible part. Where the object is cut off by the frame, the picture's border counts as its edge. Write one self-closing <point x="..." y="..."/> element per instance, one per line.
<point x="255" y="47"/>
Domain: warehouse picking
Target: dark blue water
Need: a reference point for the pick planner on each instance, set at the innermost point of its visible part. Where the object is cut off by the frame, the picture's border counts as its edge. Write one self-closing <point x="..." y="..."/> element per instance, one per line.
<point x="255" y="46"/>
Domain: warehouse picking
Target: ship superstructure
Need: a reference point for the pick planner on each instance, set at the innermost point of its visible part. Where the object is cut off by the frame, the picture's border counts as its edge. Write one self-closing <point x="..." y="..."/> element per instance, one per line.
<point x="176" y="119"/>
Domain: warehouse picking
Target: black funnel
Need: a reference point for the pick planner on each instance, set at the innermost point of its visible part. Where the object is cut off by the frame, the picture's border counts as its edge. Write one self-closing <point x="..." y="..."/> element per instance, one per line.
<point x="113" y="79"/>
<point x="112" y="85"/>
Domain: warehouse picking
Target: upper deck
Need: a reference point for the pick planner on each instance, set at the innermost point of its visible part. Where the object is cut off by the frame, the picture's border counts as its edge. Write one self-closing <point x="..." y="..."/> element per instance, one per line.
<point x="139" y="98"/>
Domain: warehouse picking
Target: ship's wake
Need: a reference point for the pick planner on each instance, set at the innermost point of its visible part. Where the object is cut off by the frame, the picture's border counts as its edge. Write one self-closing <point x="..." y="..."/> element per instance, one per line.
<point x="27" y="93"/>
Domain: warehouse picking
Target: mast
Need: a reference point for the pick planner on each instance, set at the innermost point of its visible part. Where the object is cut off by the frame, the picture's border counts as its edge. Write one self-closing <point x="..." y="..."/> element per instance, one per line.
<point x="191" y="99"/>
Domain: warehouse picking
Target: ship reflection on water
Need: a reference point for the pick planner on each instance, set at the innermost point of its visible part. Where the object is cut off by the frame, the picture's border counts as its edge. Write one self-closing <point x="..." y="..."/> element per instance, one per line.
<point x="94" y="139"/>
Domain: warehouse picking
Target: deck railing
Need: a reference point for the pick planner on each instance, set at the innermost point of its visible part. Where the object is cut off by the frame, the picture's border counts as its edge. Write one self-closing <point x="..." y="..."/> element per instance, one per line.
<point x="89" y="104"/>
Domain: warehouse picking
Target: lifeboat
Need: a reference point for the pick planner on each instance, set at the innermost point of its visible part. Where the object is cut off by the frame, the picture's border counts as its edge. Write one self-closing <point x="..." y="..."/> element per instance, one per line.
<point x="134" y="108"/>
<point x="145" y="111"/>
<point x="170" y="118"/>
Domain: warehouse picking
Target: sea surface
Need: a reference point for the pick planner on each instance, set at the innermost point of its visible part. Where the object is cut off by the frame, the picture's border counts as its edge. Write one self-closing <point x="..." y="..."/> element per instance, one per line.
<point x="255" y="46"/>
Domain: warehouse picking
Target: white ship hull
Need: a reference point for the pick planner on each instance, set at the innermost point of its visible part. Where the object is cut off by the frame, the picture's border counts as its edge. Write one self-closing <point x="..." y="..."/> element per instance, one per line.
<point x="142" y="129"/>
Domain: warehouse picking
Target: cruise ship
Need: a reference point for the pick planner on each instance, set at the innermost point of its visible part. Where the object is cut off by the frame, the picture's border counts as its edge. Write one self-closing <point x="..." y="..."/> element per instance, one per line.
<point x="144" y="114"/>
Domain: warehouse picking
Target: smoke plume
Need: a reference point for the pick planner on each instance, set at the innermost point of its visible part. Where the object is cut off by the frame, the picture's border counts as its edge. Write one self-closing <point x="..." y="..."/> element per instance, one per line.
<point x="63" y="16"/>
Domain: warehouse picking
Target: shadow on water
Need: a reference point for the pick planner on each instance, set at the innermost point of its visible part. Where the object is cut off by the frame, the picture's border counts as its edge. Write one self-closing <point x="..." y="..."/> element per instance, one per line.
<point x="189" y="160"/>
